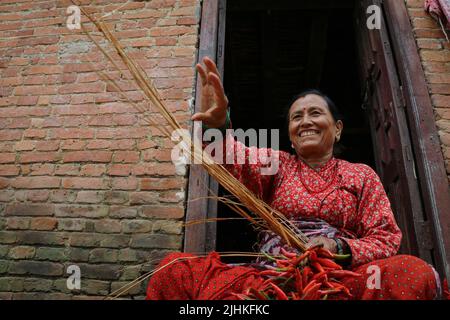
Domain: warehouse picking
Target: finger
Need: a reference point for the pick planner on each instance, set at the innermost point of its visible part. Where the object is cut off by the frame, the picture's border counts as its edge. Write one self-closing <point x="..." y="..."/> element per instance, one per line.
<point x="202" y="73"/>
<point x="200" y="116"/>
<point x="222" y="100"/>
<point x="211" y="66"/>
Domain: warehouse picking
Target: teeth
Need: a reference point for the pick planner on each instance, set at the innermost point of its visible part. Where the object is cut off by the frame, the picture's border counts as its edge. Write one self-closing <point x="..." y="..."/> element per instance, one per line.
<point x="307" y="133"/>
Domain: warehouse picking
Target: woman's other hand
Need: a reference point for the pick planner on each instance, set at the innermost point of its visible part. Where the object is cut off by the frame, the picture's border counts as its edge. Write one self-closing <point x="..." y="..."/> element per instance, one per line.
<point x="324" y="242"/>
<point x="214" y="103"/>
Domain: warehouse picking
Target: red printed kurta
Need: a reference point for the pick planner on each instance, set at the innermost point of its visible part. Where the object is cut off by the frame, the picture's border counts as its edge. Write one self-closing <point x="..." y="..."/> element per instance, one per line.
<point x="350" y="197"/>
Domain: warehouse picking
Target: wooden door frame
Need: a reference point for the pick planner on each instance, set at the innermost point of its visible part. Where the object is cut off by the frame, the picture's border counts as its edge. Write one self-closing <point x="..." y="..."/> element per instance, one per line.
<point x="426" y="144"/>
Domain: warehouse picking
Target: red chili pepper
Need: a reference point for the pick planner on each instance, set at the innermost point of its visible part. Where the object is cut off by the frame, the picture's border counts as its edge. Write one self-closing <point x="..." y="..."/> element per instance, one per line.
<point x="288" y="254"/>
<point x="313" y="255"/>
<point x="325" y="253"/>
<point x="328" y="263"/>
<point x="279" y="293"/>
<point x="269" y="273"/>
<point x="343" y="273"/>
<point x="305" y="275"/>
<point x="258" y="294"/>
<point x="312" y="292"/>
<point x="298" y="281"/>
<point x="317" y="266"/>
<point x="320" y="276"/>
<point x="299" y="259"/>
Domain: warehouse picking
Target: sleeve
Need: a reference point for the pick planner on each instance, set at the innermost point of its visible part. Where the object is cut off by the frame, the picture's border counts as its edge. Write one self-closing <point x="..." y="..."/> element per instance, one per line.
<point x="257" y="168"/>
<point x="378" y="235"/>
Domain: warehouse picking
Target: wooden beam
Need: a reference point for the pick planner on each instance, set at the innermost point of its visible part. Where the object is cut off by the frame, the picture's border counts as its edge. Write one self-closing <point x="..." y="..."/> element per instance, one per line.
<point x="198" y="205"/>
<point x="425" y="140"/>
<point x="252" y="5"/>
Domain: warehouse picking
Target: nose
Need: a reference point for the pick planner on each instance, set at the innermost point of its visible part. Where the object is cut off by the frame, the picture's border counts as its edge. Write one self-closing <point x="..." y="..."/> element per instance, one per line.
<point x="305" y="121"/>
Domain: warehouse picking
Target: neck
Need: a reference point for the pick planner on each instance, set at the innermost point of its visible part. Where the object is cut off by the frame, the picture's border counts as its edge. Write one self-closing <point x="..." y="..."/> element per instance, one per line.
<point x="316" y="162"/>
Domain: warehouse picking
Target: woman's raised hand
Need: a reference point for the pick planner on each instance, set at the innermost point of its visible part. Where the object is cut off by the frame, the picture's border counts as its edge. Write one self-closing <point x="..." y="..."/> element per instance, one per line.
<point x="214" y="103"/>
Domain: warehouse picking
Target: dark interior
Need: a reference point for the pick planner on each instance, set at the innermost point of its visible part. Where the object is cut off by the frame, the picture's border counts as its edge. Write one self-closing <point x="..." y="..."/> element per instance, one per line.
<point x="275" y="51"/>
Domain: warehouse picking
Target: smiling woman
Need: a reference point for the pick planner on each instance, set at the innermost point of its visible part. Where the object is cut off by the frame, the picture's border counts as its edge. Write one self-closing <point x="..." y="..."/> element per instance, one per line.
<point x="345" y="203"/>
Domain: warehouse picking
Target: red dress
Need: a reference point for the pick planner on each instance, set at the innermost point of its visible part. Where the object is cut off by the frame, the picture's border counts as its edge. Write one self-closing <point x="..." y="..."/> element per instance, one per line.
<point x="348" y="196"/>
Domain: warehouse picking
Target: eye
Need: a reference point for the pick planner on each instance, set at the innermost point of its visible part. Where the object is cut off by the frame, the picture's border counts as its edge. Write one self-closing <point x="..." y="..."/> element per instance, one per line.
<point x="315" y="113"/>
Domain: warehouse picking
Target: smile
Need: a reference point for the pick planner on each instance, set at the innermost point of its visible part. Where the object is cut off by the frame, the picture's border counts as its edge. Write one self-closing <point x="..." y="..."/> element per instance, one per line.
<point x="308" y="133"/>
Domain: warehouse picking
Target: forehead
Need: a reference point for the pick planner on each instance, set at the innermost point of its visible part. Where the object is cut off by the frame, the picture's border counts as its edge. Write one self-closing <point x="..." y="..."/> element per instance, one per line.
<point x="307" y="102"/>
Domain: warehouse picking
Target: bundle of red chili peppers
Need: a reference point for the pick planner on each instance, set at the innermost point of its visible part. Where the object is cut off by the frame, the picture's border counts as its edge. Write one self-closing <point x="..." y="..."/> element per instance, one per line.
<point x="313" y="275"/>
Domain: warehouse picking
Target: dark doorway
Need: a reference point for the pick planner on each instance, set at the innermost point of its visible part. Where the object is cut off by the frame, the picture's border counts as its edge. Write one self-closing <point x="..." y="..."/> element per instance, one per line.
<point x="275" y="51"/>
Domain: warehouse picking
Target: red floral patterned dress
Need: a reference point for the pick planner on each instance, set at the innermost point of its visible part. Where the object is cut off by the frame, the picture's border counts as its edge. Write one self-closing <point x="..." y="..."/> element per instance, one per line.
<point x="348" y="196"/>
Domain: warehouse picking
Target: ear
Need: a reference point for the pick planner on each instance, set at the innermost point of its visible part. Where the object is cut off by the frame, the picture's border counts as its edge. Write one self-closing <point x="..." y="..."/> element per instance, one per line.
<point x="339" y="128"/>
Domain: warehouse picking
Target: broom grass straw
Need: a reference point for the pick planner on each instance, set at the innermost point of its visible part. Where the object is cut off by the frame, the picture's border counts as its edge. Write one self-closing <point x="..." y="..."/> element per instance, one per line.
<point x="277" y="222"/>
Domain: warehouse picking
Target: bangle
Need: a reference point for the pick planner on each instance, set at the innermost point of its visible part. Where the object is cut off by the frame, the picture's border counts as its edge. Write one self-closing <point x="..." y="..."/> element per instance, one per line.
<point x="340" y="250"/>
<point x="225" y="126"/>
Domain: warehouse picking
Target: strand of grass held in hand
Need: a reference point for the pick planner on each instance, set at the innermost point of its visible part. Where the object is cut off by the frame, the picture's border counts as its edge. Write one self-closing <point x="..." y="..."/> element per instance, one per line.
<point x="313" y="275"/>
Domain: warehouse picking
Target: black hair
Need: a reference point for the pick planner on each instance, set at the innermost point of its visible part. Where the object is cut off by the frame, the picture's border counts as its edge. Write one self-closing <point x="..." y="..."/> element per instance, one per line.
<point x="331" y="105"/>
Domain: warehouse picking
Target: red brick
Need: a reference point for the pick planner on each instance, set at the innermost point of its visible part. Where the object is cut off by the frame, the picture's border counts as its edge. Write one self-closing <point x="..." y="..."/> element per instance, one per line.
<point x="187" y="21"/>
<point x="161" y="212"/>
<point x="166" y="41"/>
<point x="44" y="69"/>
<point x="25" y="145"/>
<point x="7" y="157"/>
<point x="36" y="182"/>
<point x="47" y="145"/>
<point x="30" y="157"/>
<point x="84" y="183"/>
<point x="441" y="100"/>
<point x="124" y="183"/>
<point x="27" y="100"/>
<point x="19" y="209"/>
<point x="126" y="157"/>
<point x="17" y="123"/>
<point x="125" y="144"/>
<point x="120" y="170"/>
<point x="433" y="55"/>
<point x="43" y="224"/>
<point x="171" y="196"/>
<point x="143" y="197"/>
<point x="93" y="170"/>
<point x="39" y="169"/>
<point x="87" y="156"/>
<point x="89" y="197"/>
<point x="124" y="120"/>
<point x="73" y="133"/>
<point x="73" y="145"/>
<point x="8" y="135"/>
<point x="67" y="170"/>
<point x="82" y="88"/>
<point x="4" y="183"/>
<point x="99" y="144"/>
<point x="157" y="154"/>
<point x="38" y="195"/>
<point x="161" y="183"/>
<point x="162" y="169"/>
<point x="9" y="170"/>
<point x="17" y="223"/>
<point x="35" y="133"/>
<point x="438" y="78"/>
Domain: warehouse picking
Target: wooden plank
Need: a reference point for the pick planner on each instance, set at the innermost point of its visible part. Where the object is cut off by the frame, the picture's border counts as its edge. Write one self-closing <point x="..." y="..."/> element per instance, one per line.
<point x="426" y="144"/>
<point x="211" y="227"/>
<point x="199" y="180"/>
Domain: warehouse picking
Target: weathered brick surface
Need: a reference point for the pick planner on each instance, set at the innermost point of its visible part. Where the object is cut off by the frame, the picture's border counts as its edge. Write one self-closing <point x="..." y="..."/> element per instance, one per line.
<point x="83" y="179"/>
<point x="434" y="52"/>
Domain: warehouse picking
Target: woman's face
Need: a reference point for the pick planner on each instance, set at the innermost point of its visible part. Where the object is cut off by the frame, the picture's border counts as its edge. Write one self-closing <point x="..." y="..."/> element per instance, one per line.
<point x="312" y="129"/>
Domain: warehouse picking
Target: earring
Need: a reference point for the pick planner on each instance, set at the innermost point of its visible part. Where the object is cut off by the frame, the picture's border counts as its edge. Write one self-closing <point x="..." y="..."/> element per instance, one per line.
<point x="292" y="146"/>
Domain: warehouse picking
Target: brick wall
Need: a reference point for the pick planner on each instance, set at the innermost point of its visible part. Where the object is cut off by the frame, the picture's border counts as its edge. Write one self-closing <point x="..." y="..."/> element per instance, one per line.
<point x="84" y="180"/>
<point x="435" y="54"/>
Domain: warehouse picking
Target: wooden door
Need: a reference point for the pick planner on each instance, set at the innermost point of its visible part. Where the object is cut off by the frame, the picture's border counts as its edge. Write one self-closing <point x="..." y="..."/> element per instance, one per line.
<point x="385" y="105"/>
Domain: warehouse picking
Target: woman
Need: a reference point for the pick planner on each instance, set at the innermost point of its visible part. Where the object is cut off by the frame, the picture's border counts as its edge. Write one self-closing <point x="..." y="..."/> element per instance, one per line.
<point x="348" y="198"/>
